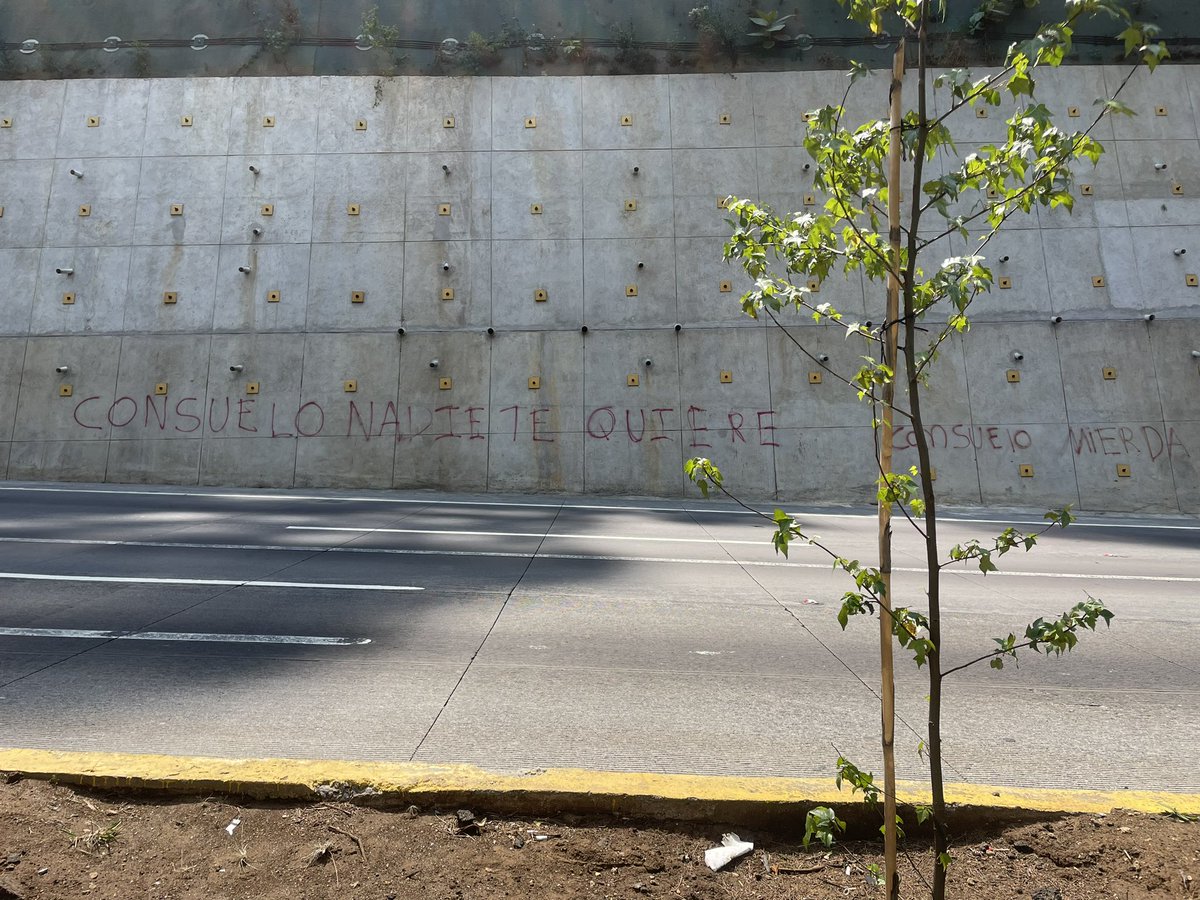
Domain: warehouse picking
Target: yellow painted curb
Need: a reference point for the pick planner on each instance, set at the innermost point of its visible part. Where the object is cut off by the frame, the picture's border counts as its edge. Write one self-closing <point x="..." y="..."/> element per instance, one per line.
<point x="542" y="791"/>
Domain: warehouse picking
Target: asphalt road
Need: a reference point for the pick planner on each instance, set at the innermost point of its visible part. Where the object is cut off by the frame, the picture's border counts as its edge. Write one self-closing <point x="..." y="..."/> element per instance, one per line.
<point x="527" y="632"/>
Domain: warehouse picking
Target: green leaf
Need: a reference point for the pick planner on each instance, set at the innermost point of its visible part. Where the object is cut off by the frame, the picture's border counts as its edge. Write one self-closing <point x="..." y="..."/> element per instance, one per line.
<point x="854" y="604"/>
<point x="1060" y="635"/>
<point x="822" y="824"/>
<point x="704" y="473"/>
<point x="849" y="773"/>
<point x="785" y="529"/>
<point x="1153" y="54"/>
<point x="1116" y="107"/>
<point x="1020" y="84"/>
<point x="1061" y="517"/>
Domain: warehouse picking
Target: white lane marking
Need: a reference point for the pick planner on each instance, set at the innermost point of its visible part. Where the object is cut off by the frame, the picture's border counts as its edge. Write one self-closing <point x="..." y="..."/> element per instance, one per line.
<point x="1001" y="574"/>
<point x="218" y="582"/>
<point x="697" y="510"/>
<point x="291" y="548"/>
<point x="1042" y="524"/>
<point x="1182" y="579"/>
<point x="528" y="534"/>
<point x="399" y="500"/>
<point x="500" y="554"/>
<point x="87" y="634"/>
<point x="306" y="548"/>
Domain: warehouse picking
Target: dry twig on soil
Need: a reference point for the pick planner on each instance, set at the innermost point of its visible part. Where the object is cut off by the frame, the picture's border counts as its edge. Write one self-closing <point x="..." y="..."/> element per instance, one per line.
<point x="354" y="837"/>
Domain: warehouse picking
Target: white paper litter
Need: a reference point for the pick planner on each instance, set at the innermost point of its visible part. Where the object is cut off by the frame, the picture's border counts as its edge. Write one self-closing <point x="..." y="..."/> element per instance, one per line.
<point x="232" y="827"/>
<point x="731" y="848"/>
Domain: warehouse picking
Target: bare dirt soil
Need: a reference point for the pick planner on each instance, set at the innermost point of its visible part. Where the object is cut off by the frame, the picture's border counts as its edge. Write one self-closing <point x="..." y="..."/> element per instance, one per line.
<point x="62" y="842"/>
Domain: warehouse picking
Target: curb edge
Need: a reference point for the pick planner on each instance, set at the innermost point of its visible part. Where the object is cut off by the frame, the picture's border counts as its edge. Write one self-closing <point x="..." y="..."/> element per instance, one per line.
<point x="691" y="798"/>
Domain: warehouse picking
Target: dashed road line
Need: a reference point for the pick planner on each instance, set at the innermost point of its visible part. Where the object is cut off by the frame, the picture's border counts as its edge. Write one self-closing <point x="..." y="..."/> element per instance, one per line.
<point x="89" y="634"/>
<point x="219" y="582"/>
<point x="530" y="534"/>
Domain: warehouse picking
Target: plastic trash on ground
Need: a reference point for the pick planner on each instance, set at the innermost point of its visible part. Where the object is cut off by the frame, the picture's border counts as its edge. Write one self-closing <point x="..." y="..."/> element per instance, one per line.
<point x="731" y="848"/>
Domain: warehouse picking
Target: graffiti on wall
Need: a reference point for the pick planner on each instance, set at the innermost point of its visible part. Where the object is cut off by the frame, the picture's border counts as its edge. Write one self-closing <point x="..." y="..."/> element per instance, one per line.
<point x="371" y="420"/>
<point x="697" y="427"/>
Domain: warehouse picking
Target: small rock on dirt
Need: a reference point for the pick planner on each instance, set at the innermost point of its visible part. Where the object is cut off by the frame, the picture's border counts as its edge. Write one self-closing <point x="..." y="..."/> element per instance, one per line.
<point x="465" y="821"/>
<point x="1047" y="893"/>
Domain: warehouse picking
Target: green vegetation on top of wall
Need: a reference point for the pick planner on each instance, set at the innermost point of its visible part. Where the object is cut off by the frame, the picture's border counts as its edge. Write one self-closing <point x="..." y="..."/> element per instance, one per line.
<point x="137" y="38"/>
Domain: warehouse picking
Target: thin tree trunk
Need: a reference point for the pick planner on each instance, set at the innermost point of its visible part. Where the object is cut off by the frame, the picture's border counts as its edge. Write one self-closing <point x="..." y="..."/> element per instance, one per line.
<point x="941" y="842"/>
<point x="892" y="333"/>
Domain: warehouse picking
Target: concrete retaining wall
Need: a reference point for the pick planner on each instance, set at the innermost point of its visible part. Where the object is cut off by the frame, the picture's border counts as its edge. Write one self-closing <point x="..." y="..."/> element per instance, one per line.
<point x="352" y="203"/>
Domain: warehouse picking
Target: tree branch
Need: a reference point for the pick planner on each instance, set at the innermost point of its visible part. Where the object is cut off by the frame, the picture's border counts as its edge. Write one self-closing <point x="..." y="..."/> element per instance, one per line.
<point x="998" y="652"/>
<point x="1049" y="173"/>
<point x="825" y="366"/>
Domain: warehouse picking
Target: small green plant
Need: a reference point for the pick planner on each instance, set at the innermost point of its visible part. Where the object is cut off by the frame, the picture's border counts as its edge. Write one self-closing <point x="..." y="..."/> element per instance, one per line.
<point x="771" y="26"/>
<point x="375" y="32"/>
<point x="990" y="12"/>
<point x="286" y="32"/>
<point x="96" y="840"/>
<point x="512" y="34"/>
<point x="141" y="59"/>
<point x="630" y="56"/>
<point x="277" y="41"/>
<point x="477" y="52"/>
<point x="1176" y="816"/>
<point x="701" y="18"/>
<point x="822" y="824"/>
<point x="625" y="37"/>
<point x="481" y="44"/>
<point x="713" y="25"/>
